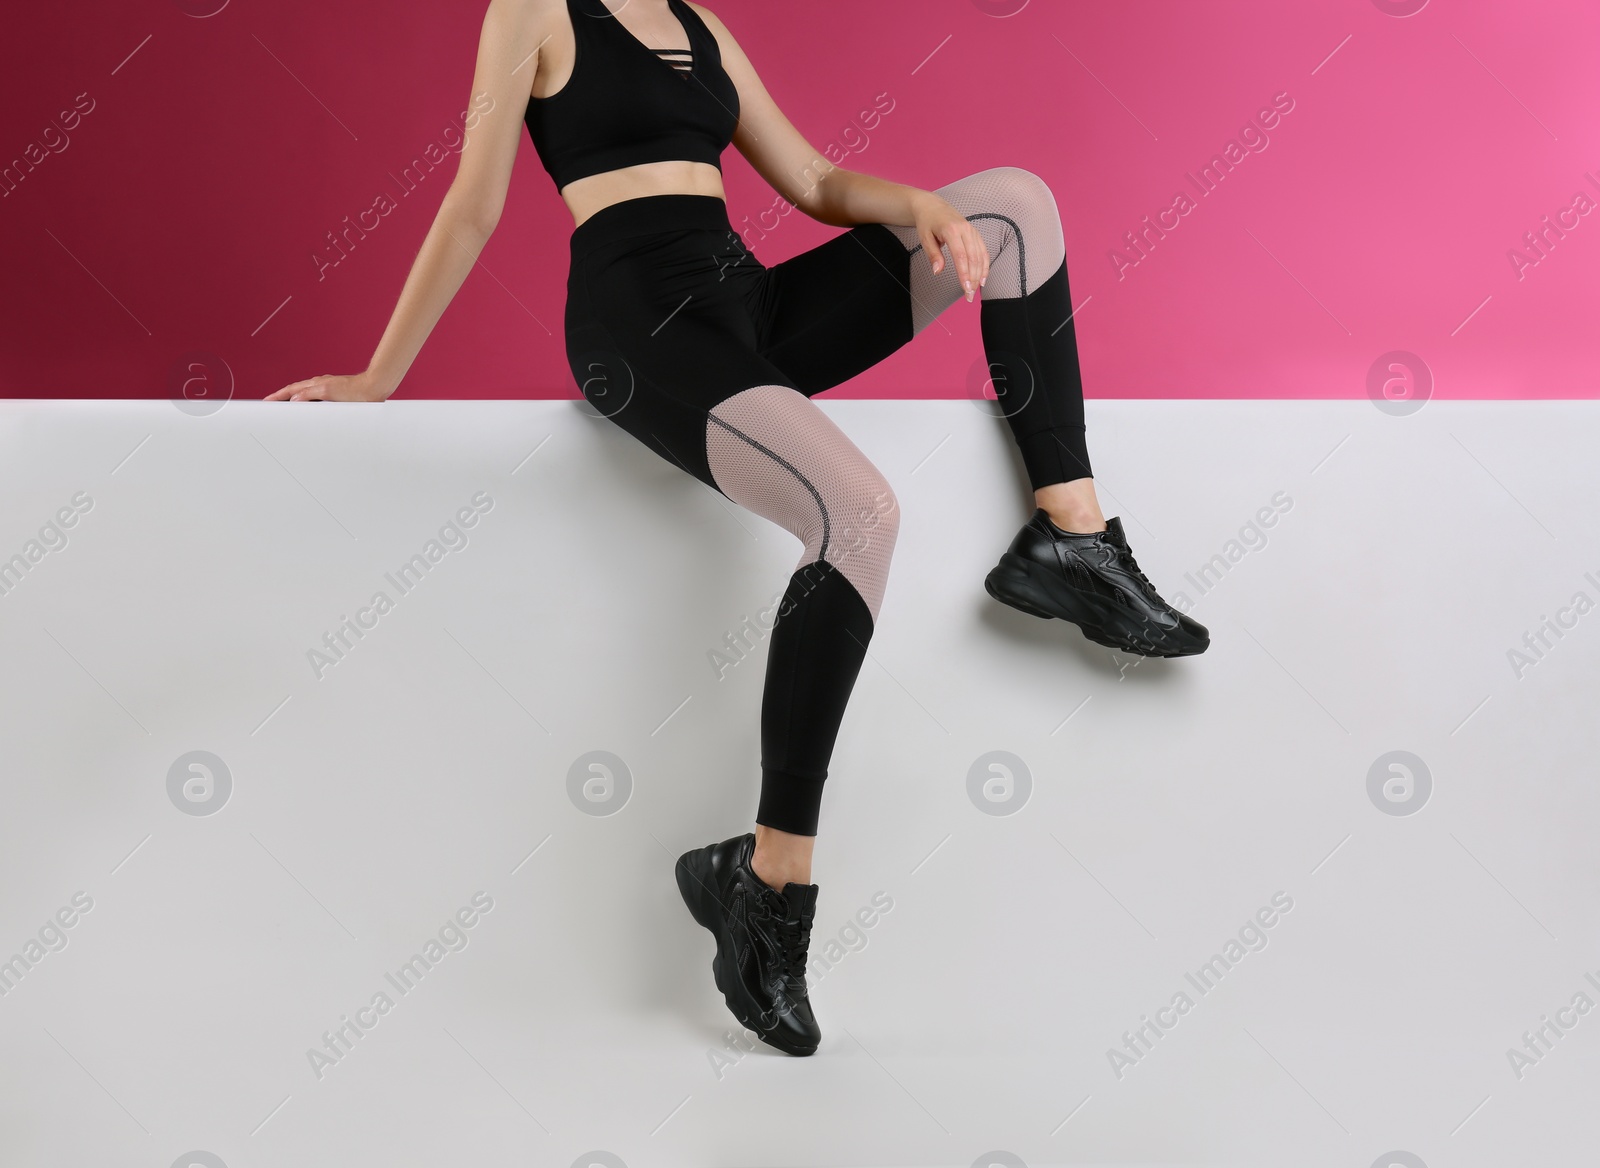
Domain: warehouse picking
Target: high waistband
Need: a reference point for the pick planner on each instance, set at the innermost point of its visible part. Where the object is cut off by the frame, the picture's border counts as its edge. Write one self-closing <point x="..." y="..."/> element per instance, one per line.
<point x="648" y="215"/>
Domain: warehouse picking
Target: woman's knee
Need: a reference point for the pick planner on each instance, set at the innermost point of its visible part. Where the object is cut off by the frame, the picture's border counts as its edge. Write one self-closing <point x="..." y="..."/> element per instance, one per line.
<point x="1032" y="204"/>
<point x="864" y="528"/>
<point x="873" y="516"/>
<point x="1025" y="203"/>
<point x="1007" y="190"/>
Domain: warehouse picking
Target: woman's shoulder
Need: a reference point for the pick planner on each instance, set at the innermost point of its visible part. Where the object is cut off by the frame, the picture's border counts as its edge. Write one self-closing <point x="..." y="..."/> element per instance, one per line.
<point x="536" y="11"/>
<point x="712" y="21"/>
<point x="725" y="39"/>
<point x="543" y="20"/>
<point x="524" y="12"/>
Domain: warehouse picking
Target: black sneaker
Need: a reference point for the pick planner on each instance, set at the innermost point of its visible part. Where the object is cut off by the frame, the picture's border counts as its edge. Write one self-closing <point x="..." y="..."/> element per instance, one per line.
<point x="1092" y="580"/>
<point x="762" y="936"/>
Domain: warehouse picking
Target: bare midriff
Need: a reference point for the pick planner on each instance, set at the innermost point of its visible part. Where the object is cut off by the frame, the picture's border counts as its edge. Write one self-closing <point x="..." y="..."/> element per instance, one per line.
<point x="589" y="194"/>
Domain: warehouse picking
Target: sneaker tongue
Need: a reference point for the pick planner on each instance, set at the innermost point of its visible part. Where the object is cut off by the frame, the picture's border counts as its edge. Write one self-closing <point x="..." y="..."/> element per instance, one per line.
<point x="1114" y="530"/>
<point x="799" y="900"/>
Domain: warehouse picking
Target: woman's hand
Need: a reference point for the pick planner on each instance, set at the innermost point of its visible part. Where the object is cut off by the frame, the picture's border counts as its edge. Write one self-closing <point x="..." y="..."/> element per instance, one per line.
<point x="938" y="223"/>
<point x="332" y="387"/>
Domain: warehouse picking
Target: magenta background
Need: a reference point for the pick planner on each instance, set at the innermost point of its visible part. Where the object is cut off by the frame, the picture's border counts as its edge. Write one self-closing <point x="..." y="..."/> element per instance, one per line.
<point x="198" y="189"/>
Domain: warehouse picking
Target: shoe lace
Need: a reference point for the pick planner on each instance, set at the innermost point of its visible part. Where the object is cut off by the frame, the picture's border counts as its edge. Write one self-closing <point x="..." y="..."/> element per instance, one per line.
<point x="1133" y="566"/>
<point x="1123" y="557"/>
<point x="794" y="938"/>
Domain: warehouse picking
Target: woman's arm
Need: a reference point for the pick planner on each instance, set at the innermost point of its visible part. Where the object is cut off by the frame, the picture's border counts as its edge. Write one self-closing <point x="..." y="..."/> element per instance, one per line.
<point x="831" y="194"/>
<point x="508" y="55"/>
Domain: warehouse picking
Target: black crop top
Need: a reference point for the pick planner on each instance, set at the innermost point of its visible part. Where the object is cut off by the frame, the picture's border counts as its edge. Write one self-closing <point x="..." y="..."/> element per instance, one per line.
<point x="624" y="104"/>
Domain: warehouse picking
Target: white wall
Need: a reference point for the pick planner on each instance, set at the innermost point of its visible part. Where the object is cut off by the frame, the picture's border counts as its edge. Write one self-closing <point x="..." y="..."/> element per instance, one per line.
<point x="1170" y="800"/>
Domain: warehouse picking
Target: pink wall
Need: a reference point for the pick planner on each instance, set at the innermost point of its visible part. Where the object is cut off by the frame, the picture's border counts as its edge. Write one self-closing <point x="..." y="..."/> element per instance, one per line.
<point x="183" y="212"/>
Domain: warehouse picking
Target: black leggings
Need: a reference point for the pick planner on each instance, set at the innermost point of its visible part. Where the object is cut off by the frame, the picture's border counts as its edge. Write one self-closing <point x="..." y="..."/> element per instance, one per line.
<point x="678" y="334"/>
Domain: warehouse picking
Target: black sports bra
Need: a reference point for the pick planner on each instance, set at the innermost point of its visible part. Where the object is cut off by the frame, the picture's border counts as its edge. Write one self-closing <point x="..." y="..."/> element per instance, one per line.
<point x="626" y="103"/>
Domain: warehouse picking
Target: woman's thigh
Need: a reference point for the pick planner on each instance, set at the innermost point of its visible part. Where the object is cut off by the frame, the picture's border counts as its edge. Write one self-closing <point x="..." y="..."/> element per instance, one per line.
<point x="829" y="313"/>
<point x="656" y="341"/>
<point x="662" y="343"/>
<point x="836" y="310"/>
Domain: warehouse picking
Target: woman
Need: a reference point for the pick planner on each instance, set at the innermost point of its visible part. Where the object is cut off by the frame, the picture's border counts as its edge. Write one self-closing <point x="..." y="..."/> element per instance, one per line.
<point x="678" y="334"/>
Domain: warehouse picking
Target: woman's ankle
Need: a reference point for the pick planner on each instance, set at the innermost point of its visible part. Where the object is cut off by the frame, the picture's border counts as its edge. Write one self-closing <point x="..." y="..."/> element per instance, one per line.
<point x="1072" y="506"/>
<point x="781" y="857"/>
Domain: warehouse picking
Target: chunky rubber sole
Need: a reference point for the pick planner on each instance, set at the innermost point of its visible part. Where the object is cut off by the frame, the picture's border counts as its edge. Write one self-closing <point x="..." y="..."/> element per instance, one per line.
<point x="703" y="907"/>
<point x="1032" y="588"/>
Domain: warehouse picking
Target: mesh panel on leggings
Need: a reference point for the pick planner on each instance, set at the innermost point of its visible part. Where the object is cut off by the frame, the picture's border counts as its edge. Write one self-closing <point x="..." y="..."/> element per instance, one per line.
<point x="772" y="450"/>
<point x="1015" y="212"/>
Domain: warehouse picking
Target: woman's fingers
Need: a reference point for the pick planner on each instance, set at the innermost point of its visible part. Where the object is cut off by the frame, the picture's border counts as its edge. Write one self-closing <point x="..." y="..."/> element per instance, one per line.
<point x="299" y="390"/>
<point x="967" y="250"/>
<point x="288" y="392"/>
<point x="958" y="255"/>
<point x="979" y="257"/>
<point x="971" y="256"/>
<point x="930" y="247"/>
<point x="960" y="248"/>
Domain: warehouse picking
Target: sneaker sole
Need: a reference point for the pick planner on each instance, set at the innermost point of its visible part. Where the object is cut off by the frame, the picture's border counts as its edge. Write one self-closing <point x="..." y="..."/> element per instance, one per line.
<point x="703" y="907"/>
<point x="1033" y="589"/>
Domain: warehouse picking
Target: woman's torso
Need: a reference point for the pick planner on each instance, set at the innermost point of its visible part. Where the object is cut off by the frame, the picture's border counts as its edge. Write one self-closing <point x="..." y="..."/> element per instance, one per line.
<point x="627" y="52"/>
